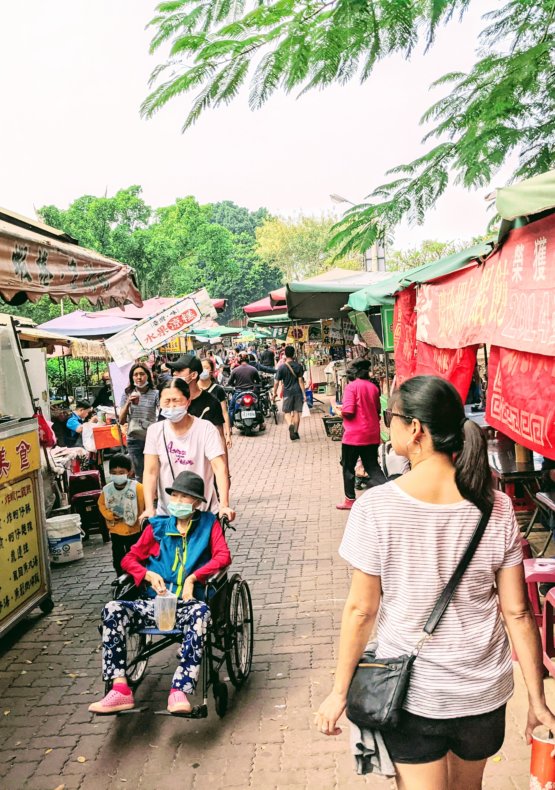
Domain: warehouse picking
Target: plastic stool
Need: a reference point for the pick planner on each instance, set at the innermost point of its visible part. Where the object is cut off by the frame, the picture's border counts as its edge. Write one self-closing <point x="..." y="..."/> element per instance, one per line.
<point x="538" y="571"/>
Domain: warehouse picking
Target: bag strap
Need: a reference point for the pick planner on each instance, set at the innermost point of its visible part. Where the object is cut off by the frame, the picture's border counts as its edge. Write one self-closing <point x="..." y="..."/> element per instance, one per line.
<point x="444" y="599"/>
<point x="167" y="451"/>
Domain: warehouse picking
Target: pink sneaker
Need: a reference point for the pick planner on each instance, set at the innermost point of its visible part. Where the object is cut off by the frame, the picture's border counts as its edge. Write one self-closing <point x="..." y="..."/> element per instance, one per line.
<point x="346" y="504"/>
<point x="178" y="702"/>
<point x="113" y="702"/>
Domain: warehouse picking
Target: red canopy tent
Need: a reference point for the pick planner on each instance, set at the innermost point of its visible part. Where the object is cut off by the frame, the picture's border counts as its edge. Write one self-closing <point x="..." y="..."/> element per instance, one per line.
<point x="263" y="307"/>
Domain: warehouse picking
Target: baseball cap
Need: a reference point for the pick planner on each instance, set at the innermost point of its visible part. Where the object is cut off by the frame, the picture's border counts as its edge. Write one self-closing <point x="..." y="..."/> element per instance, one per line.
<point x="187" y="361"/>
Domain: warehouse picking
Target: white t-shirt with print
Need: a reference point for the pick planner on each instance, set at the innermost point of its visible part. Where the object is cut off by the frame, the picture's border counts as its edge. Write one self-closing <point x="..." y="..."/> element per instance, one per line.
<point x="191" y="452"/>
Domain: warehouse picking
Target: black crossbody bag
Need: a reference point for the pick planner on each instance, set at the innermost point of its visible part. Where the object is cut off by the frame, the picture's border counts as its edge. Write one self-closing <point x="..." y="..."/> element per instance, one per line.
<point x="379" y="685"/>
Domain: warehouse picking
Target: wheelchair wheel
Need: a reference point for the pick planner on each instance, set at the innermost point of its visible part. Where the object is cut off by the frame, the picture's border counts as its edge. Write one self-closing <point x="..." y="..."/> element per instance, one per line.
<point x="136" y="644"/>
<point x="239" y="631"/>
<point x="220" y="699"/>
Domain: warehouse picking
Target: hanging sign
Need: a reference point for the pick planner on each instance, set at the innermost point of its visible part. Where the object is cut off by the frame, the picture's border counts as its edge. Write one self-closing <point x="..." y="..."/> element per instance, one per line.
<point x="508" y="301"/>
<point x="297" y="334"/>
<point x="521" y="398"/>
<point x="151" y="333"/>
<point x="387" y="328"/>
<point x="404" y="335"/>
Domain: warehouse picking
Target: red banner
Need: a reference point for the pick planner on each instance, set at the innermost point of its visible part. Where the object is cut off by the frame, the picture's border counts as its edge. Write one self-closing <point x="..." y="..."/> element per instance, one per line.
<point x="508" y="301"/>
<point x="455" y="365"/>
<point x="404" y="335"/>
<point x="521" y="398"/>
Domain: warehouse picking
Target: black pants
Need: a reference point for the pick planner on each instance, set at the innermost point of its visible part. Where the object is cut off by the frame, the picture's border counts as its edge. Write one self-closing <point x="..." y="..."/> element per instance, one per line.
<point x="120" y="546"/>
<point x="368" y="454"/>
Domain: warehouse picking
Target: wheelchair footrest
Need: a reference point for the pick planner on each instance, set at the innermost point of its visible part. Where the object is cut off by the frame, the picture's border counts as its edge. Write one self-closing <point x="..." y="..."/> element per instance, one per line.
<point x="157" y="632"/>
<point x="198" y="712"/>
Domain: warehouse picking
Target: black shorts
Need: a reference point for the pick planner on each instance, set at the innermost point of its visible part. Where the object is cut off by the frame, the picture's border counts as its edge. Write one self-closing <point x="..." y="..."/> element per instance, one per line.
<point x="292" y="402"/>
<point x="421" y="740"/>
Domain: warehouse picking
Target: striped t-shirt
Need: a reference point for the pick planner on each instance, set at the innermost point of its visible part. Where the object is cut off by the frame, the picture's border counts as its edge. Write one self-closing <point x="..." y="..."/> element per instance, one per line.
<point x="465" y="668"/>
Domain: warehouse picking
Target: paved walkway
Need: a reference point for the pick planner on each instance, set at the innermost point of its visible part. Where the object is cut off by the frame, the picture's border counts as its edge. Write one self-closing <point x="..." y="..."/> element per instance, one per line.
<point x="286" y="544"/>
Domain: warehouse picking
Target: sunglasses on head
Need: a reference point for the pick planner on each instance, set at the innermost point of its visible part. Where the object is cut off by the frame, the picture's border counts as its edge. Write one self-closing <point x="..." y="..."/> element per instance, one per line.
<point x="389" y="413"/>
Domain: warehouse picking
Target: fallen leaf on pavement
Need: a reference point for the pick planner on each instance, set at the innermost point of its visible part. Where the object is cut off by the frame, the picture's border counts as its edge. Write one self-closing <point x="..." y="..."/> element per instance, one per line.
<point x="60" y="787"/>
<point x="47" y="751"/>
<point x="7" y="712"/>
<point x="81" y="759"/>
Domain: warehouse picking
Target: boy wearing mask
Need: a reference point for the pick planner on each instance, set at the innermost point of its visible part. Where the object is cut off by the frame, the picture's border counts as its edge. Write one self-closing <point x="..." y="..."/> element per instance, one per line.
<point x="121" y="502"/>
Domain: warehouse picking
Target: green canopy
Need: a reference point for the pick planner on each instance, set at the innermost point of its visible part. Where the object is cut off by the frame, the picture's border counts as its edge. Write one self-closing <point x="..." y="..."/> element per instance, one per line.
<point x="215" y="331"/>
<point x="382" y="293"/>
<point x="270" y="320"/>
<point x="311" y="301"/>
<point x="529" y="197"/>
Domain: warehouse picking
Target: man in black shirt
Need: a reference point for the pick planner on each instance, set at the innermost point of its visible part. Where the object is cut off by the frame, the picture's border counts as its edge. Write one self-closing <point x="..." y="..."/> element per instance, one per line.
<point x="291" y="373"/>
<point x="243" y="377"/>
<point x="268" y="357"/>
<point x="203" y="405"/>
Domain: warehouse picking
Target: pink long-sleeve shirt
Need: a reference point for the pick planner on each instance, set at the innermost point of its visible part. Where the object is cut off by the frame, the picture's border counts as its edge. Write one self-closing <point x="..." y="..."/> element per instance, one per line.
<point x="361" y="413"/>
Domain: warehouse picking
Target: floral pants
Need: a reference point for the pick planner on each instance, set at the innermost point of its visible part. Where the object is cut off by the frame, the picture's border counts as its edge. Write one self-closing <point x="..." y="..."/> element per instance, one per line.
<point x="192" y="618"/>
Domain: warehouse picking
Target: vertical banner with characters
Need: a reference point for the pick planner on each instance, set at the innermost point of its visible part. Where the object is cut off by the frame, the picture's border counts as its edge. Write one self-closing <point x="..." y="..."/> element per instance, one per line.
<point x="21" y="563"/>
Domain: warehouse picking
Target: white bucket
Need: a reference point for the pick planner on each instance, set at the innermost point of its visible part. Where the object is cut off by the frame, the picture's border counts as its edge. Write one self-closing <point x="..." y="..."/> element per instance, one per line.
<point x="65" y="538"/>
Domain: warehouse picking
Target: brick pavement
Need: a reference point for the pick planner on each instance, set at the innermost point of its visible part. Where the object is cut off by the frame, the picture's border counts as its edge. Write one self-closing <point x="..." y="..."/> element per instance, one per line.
<point x="286" y="546"/>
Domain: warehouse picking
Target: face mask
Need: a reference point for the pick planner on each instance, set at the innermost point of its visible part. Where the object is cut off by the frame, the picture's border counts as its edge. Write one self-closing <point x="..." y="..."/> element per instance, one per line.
<point x="174" y="414"/>
<point x="180" y="509"/>
<point x="205" y="375"/>
<point x="119" y="480"/>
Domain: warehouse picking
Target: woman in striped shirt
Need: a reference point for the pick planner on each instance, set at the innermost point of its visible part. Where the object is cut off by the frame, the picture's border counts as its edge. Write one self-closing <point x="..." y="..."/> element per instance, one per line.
<point x="403" y="540"/>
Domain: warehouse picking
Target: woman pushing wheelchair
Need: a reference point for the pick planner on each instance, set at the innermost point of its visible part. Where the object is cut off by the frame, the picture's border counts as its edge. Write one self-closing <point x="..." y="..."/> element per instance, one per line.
<point x="179" y="552"/>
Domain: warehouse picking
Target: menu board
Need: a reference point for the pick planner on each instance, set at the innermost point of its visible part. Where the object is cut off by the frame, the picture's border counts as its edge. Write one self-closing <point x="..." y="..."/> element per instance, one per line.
<point x="21" y="570"/>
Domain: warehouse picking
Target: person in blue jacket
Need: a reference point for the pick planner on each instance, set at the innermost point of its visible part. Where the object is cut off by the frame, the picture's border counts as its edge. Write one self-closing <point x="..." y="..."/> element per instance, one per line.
<point x="179" y="553"/>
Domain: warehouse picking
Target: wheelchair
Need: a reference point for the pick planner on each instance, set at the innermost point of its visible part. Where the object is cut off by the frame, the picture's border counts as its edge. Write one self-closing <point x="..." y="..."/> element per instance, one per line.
<point x="229" y="639"/>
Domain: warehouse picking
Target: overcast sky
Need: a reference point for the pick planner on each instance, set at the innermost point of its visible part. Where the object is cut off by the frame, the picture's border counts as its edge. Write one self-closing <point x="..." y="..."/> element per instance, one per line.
<point x="73" y="74"/>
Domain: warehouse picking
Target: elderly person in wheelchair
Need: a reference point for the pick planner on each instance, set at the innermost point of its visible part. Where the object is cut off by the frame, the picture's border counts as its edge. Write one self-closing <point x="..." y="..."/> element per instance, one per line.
<point x="179" y="552"/>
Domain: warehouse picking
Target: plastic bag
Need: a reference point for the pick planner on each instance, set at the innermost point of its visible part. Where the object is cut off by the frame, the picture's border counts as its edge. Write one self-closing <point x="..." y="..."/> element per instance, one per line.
<point x="306" y="410"/>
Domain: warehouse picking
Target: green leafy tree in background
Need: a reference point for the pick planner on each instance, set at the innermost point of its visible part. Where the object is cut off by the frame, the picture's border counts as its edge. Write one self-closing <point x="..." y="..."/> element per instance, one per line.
<point x="298" y="248"/>
<point x="504" y="105"/>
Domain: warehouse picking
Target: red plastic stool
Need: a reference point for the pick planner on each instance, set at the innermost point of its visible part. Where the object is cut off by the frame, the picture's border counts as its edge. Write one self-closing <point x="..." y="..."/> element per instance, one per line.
<point x="547" y="633"/>
<point x="538" y="571"/>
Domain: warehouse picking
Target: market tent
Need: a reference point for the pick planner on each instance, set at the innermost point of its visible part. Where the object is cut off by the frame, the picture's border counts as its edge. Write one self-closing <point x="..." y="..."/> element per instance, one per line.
<point x="278" y="298"/>
<point x="36" y="261"/>
<point x="382" y="293"/>
<point x="263" y="307"/>
<point x="216" y="331"/>
<point x="526" y="198"/>
<point x="311" y="301"/>
<point x="270" y="320"/>
<point x="81" y="324"/>
<point x="152" y="306"/>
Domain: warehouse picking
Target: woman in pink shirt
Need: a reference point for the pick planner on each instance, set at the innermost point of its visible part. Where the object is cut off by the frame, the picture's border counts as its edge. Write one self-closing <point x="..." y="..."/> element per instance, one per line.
<point x="361" y="423"/>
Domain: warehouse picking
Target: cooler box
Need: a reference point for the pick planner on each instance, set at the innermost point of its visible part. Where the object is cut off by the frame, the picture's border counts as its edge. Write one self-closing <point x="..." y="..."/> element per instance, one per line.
<point x="106" y="436"/>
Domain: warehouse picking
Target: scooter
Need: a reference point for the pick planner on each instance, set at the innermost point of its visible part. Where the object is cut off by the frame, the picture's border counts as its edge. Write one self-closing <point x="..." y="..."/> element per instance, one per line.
<point x="248" y="413"/>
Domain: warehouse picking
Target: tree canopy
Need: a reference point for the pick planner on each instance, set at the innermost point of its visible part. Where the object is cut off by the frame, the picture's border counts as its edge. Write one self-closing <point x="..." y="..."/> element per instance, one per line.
<point x="504" y="105"/>
<point x="298" y="248"/>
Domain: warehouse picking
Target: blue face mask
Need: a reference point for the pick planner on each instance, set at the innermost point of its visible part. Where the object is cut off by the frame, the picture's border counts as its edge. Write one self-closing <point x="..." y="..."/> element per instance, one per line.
<point x="180" y="509"/>
<point x="119" y="480"/>
<point x="174" y="414"/>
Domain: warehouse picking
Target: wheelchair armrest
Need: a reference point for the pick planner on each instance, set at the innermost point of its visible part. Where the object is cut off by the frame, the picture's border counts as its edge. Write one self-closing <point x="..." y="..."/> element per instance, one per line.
<point x="216" y="577"/>
<point x="121" y="580"/>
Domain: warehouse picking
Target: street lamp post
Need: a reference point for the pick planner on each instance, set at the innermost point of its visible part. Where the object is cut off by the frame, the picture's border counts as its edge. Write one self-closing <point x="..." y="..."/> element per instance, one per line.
<point x="374" y="257"/>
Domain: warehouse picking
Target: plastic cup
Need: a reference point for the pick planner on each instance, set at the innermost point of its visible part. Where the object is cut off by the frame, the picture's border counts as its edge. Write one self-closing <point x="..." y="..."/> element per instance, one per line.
<point x="542" y="764"/>
<point x="165" y="606"/>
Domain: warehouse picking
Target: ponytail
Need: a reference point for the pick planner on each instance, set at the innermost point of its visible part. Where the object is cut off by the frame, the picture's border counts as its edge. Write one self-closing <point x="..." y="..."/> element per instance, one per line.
<point x="472" y="472"/>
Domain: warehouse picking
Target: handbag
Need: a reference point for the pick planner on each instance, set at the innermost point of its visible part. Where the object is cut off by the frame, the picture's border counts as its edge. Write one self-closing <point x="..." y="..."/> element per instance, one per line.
<point x="379" y="685"/>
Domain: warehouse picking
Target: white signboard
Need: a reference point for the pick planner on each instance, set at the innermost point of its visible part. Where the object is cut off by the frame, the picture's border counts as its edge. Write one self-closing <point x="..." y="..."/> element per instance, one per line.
<point x="150" y="333"/>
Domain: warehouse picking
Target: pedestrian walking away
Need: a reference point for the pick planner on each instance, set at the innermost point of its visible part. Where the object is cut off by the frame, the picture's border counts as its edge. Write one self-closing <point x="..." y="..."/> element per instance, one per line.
<point x="291" y="374"/>
<point x="139" y="409"/>
<point x="403" y="540"/>
<point x="178" y="553"/>
<point x="360" y="410"/>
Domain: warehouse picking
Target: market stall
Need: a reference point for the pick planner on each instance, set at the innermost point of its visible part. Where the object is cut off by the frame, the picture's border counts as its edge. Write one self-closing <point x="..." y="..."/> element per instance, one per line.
<point x="35" y="260"/>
